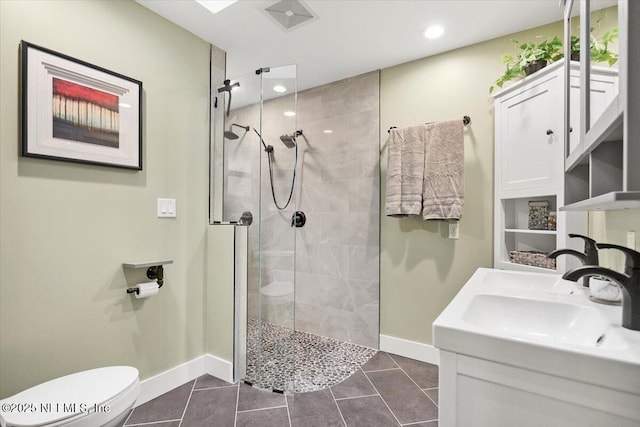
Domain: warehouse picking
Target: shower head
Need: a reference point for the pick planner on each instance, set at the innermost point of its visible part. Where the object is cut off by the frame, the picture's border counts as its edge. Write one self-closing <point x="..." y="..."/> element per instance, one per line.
<point x="229" y="134"/>
<point x="290" y="140"/>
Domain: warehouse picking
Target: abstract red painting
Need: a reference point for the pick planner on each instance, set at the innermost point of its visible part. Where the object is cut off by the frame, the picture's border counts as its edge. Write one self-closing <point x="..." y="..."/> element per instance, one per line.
<point x="84" y="114"/>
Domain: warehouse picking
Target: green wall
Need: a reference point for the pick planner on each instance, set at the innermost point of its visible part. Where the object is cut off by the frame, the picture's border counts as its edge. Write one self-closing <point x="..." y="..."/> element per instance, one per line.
<point x="67" y="228"/>
<point x="421" y="270"/>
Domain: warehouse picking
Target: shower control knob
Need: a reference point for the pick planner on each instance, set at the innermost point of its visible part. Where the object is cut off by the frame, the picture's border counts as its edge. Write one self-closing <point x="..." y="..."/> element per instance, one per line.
<point x="299" y="219"/>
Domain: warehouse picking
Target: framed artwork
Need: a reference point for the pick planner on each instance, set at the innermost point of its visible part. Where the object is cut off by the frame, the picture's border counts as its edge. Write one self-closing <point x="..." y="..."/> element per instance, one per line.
<point x="78" y="112"/>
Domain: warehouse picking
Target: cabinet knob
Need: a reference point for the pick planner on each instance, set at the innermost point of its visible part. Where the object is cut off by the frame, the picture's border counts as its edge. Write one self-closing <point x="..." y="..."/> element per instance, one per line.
<point x="570" y="129"/>
<point x="549" y="132"/>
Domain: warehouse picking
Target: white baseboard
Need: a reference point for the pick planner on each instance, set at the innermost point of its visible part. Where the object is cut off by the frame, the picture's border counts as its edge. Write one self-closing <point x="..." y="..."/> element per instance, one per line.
<point x="219" y="368"/>
<point x="411" y="349"/>
<point x="223" y="369"/>
<point x="188" y="371"/>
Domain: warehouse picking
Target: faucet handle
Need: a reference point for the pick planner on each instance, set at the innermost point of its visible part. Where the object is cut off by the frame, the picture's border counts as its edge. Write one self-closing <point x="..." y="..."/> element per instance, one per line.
<point x="632" y="257"/>
<point x="590" y="248"/>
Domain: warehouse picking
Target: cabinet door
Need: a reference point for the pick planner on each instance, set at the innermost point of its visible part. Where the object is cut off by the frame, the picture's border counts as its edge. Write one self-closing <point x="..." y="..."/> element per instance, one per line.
<point x="531" y="138"/>
<point x="604" y="89"/>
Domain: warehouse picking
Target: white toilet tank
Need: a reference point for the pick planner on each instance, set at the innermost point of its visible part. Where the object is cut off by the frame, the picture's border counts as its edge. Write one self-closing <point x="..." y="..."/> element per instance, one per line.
<point x="98" y="397"/>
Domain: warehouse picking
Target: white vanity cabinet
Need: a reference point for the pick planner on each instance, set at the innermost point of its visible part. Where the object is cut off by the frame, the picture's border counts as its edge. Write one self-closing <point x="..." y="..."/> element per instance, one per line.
<point x="532" y="350"/>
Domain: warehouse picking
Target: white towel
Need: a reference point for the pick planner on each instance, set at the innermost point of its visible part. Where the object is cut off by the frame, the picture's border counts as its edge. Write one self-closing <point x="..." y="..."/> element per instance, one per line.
<point x="443" y="185"/>
<point x="405" y="171"/>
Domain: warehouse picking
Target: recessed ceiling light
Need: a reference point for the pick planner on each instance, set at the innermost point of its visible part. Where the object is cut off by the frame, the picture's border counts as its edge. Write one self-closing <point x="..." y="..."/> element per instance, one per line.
<point x="215" y="6"/>
<point x="289" y="113"/>
<point x="279" y="89"/>
<point x="327" y="131"/>
<point x="433" y="32"/>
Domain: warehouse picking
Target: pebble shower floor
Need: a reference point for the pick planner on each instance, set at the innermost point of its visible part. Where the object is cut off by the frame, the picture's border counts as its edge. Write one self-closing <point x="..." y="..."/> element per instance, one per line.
<point x="299" y="361"/>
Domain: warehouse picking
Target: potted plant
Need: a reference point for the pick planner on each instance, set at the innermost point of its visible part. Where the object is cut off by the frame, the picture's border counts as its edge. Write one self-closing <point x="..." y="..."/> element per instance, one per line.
<point x="530" y="58"/>
<point x="599" y="47"/>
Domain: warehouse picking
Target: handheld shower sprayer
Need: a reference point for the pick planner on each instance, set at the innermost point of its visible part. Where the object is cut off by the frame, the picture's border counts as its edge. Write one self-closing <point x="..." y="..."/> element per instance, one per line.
<point x="227" y="86"/>
<point x="267" y="148"/>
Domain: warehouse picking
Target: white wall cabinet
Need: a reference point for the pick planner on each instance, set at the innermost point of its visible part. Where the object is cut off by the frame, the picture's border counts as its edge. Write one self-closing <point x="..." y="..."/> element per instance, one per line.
<point x="604" y="89"/>
<point x="529" y="122"/>
<point x="529" y="163"/>
<point x="602" y="157"/>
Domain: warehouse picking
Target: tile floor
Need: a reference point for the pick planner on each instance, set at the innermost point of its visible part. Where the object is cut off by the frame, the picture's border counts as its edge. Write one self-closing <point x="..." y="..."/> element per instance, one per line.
<point x="388" y="390"/>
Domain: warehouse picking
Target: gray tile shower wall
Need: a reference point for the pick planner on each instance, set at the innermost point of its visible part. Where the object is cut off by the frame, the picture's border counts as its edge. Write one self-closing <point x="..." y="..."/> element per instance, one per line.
<point x="336" y="252"/>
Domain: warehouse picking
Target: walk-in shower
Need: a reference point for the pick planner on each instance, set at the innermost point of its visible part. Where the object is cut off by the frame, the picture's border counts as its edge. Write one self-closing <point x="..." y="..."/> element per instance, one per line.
<point x="313" y="243"/>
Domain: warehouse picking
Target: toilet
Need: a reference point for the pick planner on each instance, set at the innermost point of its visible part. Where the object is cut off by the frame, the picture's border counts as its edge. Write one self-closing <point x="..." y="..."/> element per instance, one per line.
<point x="97" y="397"/>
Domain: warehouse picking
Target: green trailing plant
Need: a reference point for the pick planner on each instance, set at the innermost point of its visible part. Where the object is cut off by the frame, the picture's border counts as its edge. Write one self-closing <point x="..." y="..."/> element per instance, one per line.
<point x="528" y="53"/>
<point x="552" y="50"/>
<point x="600" y="47"/>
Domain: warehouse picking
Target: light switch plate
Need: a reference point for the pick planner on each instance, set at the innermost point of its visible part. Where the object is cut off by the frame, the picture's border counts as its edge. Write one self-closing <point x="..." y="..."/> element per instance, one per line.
<point x="631" y="239"/>
<point x="166" y="208"/>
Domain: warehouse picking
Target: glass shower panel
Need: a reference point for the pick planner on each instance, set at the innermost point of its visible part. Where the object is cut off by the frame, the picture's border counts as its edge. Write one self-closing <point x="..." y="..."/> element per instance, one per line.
<point x="239" y="102"/>
<point x="260" y="159"/>
<point x="278" y="184"/>
<point x="240" y="107"/>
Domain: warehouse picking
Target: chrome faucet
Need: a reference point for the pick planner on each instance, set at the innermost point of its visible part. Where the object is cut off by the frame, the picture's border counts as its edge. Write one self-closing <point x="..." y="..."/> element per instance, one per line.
<point x="629" y="281"/>
<point x="589" y="257"/>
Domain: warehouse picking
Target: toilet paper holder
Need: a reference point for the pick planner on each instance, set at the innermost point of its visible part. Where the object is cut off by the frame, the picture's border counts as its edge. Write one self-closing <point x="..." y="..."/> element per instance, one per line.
<point x="155" y="271"/>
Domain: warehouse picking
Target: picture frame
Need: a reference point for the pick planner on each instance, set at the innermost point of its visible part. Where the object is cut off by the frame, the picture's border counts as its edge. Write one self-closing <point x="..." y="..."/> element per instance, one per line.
<point x="79" y="112"/>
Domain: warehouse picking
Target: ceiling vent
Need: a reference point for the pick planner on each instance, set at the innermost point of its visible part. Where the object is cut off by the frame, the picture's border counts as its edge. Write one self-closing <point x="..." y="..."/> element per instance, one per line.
<point x="289" y="13"/>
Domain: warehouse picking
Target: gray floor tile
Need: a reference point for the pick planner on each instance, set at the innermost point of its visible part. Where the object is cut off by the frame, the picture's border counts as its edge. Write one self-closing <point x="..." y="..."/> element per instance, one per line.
<point x="252" y="398"/>
<point x="424" y="374"/>
<point x="169" y="406"/>
<point x="380" y="361"/>
<point x="408" y="403"/>
<point x="356" y="385"/>
<point x="212" y="407"/>
<point x="433" y="394"/>
<point x="209" y="381"/>
<point x="276" y="417"/>
<point x="124" y="420"/>
<point x="167" y="424"/>
<point x="314" y="409"/>
<point x="366" y="411"/>
<point x="427" y="424"/>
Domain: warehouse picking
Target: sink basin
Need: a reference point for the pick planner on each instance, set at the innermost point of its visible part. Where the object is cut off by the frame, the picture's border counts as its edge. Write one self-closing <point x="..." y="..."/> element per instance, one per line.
<point x="530" y="282"/>
<point x="537" y="320"/>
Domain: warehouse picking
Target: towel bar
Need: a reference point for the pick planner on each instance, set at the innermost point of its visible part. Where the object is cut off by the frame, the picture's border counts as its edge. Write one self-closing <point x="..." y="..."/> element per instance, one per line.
<point x="465" y="121"/>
